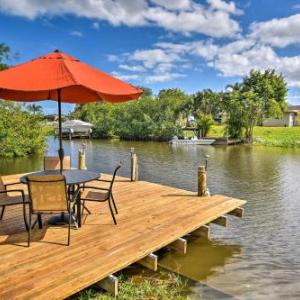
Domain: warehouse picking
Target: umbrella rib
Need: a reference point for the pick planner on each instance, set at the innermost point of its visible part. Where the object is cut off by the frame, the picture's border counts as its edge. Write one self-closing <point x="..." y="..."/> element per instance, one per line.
<point x="71" y="74"/>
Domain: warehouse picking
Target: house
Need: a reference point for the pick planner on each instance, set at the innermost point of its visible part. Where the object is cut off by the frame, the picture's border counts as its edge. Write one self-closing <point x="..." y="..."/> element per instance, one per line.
<point x="289" y="118"/>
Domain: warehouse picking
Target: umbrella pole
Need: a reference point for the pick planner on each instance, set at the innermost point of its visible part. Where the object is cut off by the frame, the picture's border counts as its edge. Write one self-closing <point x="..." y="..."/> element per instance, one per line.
<point x="61" y="153"/>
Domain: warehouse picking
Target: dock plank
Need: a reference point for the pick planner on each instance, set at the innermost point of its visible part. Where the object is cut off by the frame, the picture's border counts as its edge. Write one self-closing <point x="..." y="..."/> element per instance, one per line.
<point x="151" y="216"/>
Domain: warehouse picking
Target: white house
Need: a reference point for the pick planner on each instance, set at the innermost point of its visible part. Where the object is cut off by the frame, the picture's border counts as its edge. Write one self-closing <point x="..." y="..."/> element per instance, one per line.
<point x="288" y="119"/>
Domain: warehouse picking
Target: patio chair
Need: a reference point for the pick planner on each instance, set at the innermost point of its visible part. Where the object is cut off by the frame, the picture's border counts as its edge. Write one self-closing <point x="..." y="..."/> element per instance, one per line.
<point x="100" y="194"/>
<point x="8" y="200"/>
<point x="48" y="194"/>
<point x="53" y="163"/>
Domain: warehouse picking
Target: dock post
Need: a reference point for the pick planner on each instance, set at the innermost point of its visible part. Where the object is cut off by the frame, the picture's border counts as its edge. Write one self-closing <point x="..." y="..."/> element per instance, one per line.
<point x="134" y="175"/>
<point x="81" y="158"/>
<point x="110" y="284"/>
<point x="202" y="190"/>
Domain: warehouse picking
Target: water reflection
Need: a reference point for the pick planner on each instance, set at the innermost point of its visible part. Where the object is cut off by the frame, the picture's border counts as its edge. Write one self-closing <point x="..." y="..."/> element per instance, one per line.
<point x="203" y="259"/>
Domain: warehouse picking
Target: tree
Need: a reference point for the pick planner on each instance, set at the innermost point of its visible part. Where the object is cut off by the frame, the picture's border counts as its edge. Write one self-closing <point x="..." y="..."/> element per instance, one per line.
<point x="203" y="123"/>
<point x="206" y="102"/>
<point x="99" y="114"/>
<point x="4" y="56"/>
<point x="150" y="118"/>
<point x="233" y="106"/>
<point x="21" y="133"/>
<point x="271" y="89"/>
<point x="146" y="91"/>
<point x="260" y="95"/>
<point x="35" y="108"/>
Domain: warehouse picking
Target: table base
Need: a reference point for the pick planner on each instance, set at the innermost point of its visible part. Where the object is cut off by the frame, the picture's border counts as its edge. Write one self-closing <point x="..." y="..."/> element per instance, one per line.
<point x="62" y="219"/>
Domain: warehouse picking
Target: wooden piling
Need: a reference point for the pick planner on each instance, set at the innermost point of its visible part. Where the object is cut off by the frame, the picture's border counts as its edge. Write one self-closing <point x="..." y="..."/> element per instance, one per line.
<point x="150" y="262"/>
<point x="202" y="231"/>
<point x="81" y="159"/>
<point x="221" y="221"/>
<point x="110" y="284"/>
<point x="237" y="212"/>
<point x="180" y="245"/>
<point x="134" y="166"/>
<point x="201" y="181"/>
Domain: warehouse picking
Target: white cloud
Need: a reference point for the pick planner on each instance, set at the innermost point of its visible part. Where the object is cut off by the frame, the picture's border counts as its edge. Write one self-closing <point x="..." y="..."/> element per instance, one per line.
<point x="152" y="57"/>
<point x="132" y="68"/>
<point x="159" y="78"/>
<point x="277" y="32"/>
<point x="168" y="61"/>
<point x="96" y="25"/>
<point x="152" y="65"/>
<point x="213" y="19"/>
<point x="228" y="7"/>
<point x="230" y="61"/>
<point x="113" y="58"/>
<point x="76" y="33"/>
<point x="174" y="4"/>
<point x="296" y="6"/>
<point x="125" y="77"/>
<point x="149" y="78"/>
<point x="215" y="23"/>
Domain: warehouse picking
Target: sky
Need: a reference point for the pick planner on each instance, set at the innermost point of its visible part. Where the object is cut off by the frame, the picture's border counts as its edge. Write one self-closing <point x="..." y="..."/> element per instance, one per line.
<point x="186" y="44"/>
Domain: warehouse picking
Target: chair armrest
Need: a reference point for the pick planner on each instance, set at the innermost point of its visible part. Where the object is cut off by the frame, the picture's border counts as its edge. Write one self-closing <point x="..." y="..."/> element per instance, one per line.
<point x="15" y="191"/>
<point x="104" y="180"/>
<point x="94" y="188"/>
<point x="12" y="183"/>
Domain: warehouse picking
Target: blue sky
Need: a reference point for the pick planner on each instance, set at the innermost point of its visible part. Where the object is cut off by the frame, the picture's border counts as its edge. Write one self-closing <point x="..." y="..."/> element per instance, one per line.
<point x="187" y="44"/>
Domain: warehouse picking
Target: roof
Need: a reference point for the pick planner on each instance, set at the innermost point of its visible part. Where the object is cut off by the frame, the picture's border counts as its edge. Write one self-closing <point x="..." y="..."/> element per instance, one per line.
<point x="293" y="108"/>
<point x="74" y="123"/>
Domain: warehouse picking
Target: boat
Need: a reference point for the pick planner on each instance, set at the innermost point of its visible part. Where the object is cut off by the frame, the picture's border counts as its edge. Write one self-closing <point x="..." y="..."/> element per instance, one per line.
<point x="76" y="128"/>
<point x="192" y="141"/>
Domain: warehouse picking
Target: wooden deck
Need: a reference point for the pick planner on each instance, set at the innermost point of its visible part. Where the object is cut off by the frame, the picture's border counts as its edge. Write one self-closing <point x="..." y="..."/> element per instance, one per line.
<point x="150" y="217"/>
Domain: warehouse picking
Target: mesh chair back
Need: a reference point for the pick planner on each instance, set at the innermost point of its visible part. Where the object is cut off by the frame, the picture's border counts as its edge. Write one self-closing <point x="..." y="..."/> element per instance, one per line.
<point x="48" y="193"/>
<point x="114" y="175"/>
<point x="53" y="163"/>
<point x="2" y="188"/>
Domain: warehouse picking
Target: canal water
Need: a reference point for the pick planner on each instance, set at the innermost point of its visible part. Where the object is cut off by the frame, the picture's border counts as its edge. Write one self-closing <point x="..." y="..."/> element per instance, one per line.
<point x="257" y="257"/>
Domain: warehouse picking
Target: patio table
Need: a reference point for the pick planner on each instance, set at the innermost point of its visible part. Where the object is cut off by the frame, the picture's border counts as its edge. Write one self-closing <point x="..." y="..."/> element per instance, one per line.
<point x="73" y="178"/>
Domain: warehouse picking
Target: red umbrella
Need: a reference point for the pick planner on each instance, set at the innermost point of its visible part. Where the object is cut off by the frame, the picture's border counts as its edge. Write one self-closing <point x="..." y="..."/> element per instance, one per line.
<point x="62" y="78"/>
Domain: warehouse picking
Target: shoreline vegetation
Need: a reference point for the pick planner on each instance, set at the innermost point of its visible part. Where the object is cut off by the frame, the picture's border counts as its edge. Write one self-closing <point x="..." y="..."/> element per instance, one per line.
<point x="286" y="137"/>
<point x="159" y="117"/>
<point x="143" y="285"/>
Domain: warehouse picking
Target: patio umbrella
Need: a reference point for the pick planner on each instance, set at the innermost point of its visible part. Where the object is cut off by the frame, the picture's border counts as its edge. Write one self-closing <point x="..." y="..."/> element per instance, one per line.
<point x="60" y="77"/>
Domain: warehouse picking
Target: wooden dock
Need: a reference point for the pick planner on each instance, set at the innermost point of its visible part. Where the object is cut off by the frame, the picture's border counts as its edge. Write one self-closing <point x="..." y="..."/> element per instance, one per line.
<point x="151" y="216"/>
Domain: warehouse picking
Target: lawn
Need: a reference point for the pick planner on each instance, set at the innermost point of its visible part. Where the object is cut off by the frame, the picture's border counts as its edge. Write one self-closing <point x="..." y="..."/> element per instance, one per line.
<point x="278" y="136"/>
<point x="269" y="136"/>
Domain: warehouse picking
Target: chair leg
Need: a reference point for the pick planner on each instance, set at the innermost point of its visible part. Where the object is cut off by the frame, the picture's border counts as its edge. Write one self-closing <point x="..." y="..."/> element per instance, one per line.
<point x="24" y="216"/>
<point x="69" y="229"/>
<point x="85" y="208"/>
<point x="39" y="218"/>
<point x="111" y="211"/>
<point x="29" y="228"/>
<point x="2" y="212"/>
<point x="114" y="204"/>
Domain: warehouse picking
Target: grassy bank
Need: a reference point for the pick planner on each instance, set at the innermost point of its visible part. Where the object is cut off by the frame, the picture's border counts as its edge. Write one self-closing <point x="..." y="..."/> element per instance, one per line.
<point x="163" y="285"/>
<point x="277" y="136"/>
<point x="268" y="136"/>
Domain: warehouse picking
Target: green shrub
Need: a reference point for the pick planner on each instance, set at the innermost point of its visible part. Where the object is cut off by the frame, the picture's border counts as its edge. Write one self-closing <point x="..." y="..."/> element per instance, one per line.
<point x="21" y="133"/>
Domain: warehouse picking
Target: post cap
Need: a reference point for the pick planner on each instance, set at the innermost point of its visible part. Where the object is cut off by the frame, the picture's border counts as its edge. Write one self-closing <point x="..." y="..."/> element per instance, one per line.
<point x="202" y="168"/>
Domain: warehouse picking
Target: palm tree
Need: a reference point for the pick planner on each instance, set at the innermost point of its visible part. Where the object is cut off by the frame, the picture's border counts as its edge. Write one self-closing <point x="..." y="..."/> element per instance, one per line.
<point x="34" y="108"/>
